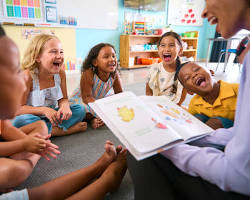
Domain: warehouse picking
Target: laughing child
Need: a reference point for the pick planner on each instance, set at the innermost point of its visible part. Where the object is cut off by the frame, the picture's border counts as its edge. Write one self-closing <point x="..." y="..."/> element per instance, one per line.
<point x="160" y="80"/>
<point x="214" y="102"/>
<point x="46" y="95"/>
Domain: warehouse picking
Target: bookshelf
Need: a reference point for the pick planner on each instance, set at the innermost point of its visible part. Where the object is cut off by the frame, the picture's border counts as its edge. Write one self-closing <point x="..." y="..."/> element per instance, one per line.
<point x="192" y="44"/>
<point x="128" y="54"/>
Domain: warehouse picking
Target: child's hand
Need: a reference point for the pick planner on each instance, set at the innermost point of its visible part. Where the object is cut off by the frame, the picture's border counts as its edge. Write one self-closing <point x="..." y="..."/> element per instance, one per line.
<point x="214" y="123"/>
<point x="64" y="113"/>
<point x="34" y="143"/>
<point x="50" y="150"/>
<point x="51" y="114"/>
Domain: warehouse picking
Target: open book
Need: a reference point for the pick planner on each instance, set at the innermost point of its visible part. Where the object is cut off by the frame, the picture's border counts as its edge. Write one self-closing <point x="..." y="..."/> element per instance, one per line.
<point x="147" y="125"/>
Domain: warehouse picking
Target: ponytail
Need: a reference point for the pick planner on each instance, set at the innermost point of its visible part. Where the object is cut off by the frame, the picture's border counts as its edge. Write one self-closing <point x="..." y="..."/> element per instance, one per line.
<point x="178" y="64"/>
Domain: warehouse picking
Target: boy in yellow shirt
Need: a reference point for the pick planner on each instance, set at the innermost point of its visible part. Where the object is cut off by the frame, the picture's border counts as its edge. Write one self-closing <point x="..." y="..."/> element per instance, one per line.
<point x="215" y="101"/>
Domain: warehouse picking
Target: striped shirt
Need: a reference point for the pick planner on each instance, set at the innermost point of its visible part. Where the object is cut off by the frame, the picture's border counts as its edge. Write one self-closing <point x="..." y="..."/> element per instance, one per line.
<point x="100" y="90"/>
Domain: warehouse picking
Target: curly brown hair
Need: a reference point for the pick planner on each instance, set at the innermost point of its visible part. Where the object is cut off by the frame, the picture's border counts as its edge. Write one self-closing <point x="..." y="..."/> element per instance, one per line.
<point x="92" y="55"/>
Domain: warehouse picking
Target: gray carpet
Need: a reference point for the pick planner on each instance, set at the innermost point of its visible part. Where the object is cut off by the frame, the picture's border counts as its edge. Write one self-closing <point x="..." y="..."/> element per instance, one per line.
<point x="80" y="150"/>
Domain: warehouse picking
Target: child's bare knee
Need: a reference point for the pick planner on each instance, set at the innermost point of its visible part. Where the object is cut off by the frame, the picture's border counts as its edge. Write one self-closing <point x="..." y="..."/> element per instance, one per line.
<point x="13" y="172"/>
<point x="42" y="128"/>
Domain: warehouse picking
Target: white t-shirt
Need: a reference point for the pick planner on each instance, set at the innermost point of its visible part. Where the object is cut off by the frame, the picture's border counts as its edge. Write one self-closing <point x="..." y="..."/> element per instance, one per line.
<point x="162" y="82"/>
<point x="15" y="195"/>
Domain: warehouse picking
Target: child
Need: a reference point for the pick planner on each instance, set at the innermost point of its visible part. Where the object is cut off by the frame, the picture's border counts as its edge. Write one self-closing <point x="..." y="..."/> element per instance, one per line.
<point x="26" y="145"/>
<point x="214" y="102"/>
<point x="93" y="182"/>
<point x="160" y="80"/>
<point x="46" y="95"/>
<point x="99" y="76"/>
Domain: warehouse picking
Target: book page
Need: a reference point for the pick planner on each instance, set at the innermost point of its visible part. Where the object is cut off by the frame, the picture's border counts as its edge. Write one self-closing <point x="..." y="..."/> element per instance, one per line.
<point x="173" y="115"/>
<point x="133" y="121"/>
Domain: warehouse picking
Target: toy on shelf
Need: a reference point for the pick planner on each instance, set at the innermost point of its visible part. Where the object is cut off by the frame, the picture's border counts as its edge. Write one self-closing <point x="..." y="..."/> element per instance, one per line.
<point x="139" y="28"/>
<point x="127" y="27"/>
<point x="69" y="65"/>
<point x="146" y="61"/>
<point x="68" y="20"/>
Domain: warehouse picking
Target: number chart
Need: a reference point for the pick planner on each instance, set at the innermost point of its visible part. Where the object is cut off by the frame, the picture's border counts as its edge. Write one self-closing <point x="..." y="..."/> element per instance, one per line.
<point x="23" y="9"/>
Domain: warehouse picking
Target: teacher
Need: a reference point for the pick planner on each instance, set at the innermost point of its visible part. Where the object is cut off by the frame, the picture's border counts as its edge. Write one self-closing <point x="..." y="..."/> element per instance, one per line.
<point x="193" y="172"/>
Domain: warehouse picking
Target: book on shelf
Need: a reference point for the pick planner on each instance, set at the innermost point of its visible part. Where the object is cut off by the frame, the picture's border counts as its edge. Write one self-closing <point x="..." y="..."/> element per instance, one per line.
<point x="147" y="125"/>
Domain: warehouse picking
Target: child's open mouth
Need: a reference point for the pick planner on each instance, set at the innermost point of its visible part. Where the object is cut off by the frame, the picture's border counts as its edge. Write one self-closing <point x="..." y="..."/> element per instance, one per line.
<point x="167" y="57"/>
<point x="112" y="65"/>
<point x="201" y="81"/>
<point x="57" y="64"/>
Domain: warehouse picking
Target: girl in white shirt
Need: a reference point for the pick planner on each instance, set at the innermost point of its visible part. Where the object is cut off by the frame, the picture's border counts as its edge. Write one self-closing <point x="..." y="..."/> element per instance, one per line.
<point x="160" y="80"/>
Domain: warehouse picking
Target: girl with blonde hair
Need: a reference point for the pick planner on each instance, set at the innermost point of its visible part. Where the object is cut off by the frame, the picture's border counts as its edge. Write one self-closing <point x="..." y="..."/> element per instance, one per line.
<point x="46" y="96"/>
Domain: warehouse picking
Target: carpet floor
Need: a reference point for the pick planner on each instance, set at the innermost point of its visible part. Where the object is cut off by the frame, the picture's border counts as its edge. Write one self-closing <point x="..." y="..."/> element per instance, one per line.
<point x="80" y="150"/>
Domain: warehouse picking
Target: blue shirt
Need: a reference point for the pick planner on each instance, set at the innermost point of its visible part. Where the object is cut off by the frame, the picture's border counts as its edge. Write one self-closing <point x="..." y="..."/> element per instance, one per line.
<point x="229" y="170"/>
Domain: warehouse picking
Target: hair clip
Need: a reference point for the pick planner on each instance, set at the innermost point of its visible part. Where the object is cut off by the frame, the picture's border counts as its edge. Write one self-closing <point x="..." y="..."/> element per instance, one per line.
<point x="242" y="45"/>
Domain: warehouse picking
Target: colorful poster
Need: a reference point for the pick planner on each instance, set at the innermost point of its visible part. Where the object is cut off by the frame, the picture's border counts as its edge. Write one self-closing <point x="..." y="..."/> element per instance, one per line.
<point x="185" y="12"/>
<point x="23" y="9"/>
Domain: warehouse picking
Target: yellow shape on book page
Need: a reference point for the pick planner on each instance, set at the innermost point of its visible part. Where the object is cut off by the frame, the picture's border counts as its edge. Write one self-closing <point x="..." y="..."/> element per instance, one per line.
<point x="176" y="111"/>
<point x="126" y="114"/>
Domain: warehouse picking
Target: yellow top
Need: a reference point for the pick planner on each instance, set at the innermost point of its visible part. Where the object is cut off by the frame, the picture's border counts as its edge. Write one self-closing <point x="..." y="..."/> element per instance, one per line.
<point x="224" y="106"/>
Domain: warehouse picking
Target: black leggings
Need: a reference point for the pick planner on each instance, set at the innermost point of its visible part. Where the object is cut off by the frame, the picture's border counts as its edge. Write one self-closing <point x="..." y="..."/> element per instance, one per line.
<point x="157" y="178"/>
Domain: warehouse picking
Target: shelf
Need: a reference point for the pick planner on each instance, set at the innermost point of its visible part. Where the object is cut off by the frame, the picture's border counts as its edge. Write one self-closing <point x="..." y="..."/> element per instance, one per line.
<point x="144" y="51"/>
<point x="158" y="36"/>
<point x="138" y="66"/>
<point x="135" y="66"/>
<point x="127" y="56"/>
<point x="189" y="50"/>
<point x="36" y="24"/>
<point x="73" y="71"/>
<point x="189" y="38"/>
<point x="145" y="36"/>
